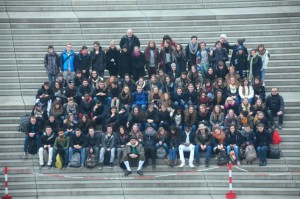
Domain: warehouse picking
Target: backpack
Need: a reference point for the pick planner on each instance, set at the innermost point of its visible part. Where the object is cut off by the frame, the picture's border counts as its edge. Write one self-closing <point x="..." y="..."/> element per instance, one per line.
<point x="58" y="163"/>
<point x="222" y="158"/>
<point x="250" y="153"/>
<point x="276" y="139"/>
<point x="32" y="148"/>
<point x="24" y="122"/>
<point x="274" y="154"/>
<point x="90" y="161"/>
<point x="75" y="160"/>
<point x="161" y="153"/>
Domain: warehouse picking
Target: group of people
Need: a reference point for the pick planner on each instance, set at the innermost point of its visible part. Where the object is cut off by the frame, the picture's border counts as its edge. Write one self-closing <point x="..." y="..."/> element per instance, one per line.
<point x="192" y="102"/>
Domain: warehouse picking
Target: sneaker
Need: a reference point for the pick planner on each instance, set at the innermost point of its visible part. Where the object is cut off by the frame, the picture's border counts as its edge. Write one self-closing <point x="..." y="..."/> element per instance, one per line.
<point x="127" y="173"/>
<point x="100" y="166"/>
<point x="140" y="172"/>
<point x="238" y="163"/>
<point x="110" y="165"/>
<point x="81" y="167"/>
<point x="191" y="165"/>
<point x="280" y="127"/>
<point x="181" y="165"/>
<point x="25" y="156"/>
<point x="207" y="163"/>
<point x="69" y="165"/>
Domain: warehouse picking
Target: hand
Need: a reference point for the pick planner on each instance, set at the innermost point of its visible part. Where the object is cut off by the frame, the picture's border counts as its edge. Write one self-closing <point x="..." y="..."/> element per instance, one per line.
<point x="83" y="71"/>
<point x="108" y="149"/>
<point x="49" y="146"/>
<point x="91" y="150"/>
<point x="94" y="118"/>
<point x="160" y="143"/>
<point x="279" y="113"/>
<point x="31" y="135"/>
<point x="97" y="52"/>
<point x="45" y="146"/>
<point x="127" y="124"/>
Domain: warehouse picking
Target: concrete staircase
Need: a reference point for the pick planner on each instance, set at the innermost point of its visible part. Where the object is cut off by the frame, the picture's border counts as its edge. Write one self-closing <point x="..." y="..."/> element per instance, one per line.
<point x="27" y="27"/>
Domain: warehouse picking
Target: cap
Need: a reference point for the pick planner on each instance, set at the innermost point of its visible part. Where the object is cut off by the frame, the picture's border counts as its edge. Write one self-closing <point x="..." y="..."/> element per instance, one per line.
<point x="46" y="83"/>
<point x="133" y="137"/>
<point x="202" y="126"/>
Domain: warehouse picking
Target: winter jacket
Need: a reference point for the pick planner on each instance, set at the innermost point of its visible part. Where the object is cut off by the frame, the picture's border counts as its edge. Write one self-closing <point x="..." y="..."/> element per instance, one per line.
<point x="98" y="61"/>
<point x="263" y="138"/>
<point x="121" y="139"/>
<point x="130" y="42"/>
<point x="124" y="63"/>
<point x="52" y="63"/>
<point x="67" y="62"/>
<point x="77" y="140"/>
<point x="82" y="90"/>
<point x="112" y="54"/>
<point x="47" y="140"/>
<point x="275" y="103"/>
<point x="108" y="141"/>
<point x="92" y="141"/>
<point x="86" y="107"/>
<point x="191" y="135"/>
<point x="234" y="138"/>
<point x="140" y="98"/>
<point x="203" y="140"/>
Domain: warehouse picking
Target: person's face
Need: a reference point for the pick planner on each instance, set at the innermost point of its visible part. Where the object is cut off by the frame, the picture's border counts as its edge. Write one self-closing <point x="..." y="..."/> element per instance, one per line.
<point x="57" y="106"/>
<point x="57" y="85"/>
<point x="217" y="131"/>
<point x="260" y="48"/>
<point x="155" y="90"/>
<point x="50" y="50"/>
<point x="127" y="78"/>
<point x="194" y="41"/>
<point x="85" y="83"/>
<point x="126" y="89"/>
<point x="46" y="87"/>
<point x="71" y="85"/>
<point x="122" y="131"/>
<point x="187" y="129"/>
<point x="109" y="130"/>
<point x="51" y="119"/>
<point x="161" y="73"/>
<point x="178" y="47"/>
<point x="78" y="75"/>
<point x="96" y="47"/>
<point x="191" y="88"/>
<point x="166" y="96"/>
<point x="139" y="89"/>
<point x="124" y="50"/>
<point x="246" y="82"/>
<point x="136" y="49"/>
<point x="84" y="119"/>
<point x="245" y="101"/>
<point x="230" y="113"/>
<point x="163" y="108"/>
<point x="168" y="79"/>
<point x="135" y="110"/>
<point x="183" y="76"/>
<point x="203" y="95"/>
<point x="153" y="78"/>
<point x="179" y="91"/>
<point x="256" y="81"/>
<point x="232" y="129"/>
<point x="258" y="103"/>
<point x="274" y="91"/>
<point x="210" y="71"/>
<point x="253" y="52"/>
<point x="217" y="109"/>
<point x="48" y="131"/>
<point x="166" y="44"/>
<point x="32" y="120"/>
<point x="202" y="46"/>
<point x="260" y="129"/>
<point x="91" y="132"/>
<point x="135" y="128"/>
<point x="219" y="94"/>
<point x="151" y="44"/>
<point x="71" y="118"/>
<point x="113" y="110"/>
<point x="232" y="81"/>
<point x="78" y="133"/>
<point x="240" y="52"/>
<point x="194" y="69"/>
<point x="133" y="142"/>
<point x="61" y="133"/>
<point x="86" y="97"/>
<point x="150" y="108"/>
<point x="202" y="109"/>
<point x="112" y="46"/>
<point x="221" y="67"/>
<point x="191" y="109"/>
<point x="218" y="46"/>
<point x="260" y="116"/>
<point x="85" y="51"/>
<point x="231" y="70"/>
<point x="101" y="85"/>
<point x="69" y="48"/>
<point x="222" y="40"/>
<point x="220" y="82"/>
<point x="129" y="33"/>
<point x="247" y="128"/>
<point x="71" y="103"/>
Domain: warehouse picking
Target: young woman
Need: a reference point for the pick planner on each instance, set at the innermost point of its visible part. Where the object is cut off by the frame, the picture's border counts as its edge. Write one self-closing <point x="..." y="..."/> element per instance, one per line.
<point x="138" y="63"/>
<point x="151" y="57"/>
<point x="155" y="96"/>
<point x="166" y="100"/>
<point x="125" y="98"/>
<point x="204" y="99"/>
<point x="203" y="115"/>
<point x="167" y="57"/>
<point x="180" y="59"/>
<point x="259" y="106"/>
<point x="265" y="56"/>
<point x="70" y="122"/>
<point x="121" y="141"/>
<point x="136" y="117"/>
<point x="193" y="76"/>
<point x="208" y="88"/>
<point x="231" y="119"/>
<point x="231" y="104"/>
<point x="244" y="120"/>
<point x="204" y="141"/>
<point x="246" y="90"/>
<point x="218" y="140"/>
<point x="217" y="117"/>
<point x="57" y="111"/>
<point x="260" y="118"/>
<point x="84" y="124"/>
<point x="211" y="75"/>
<point x="161" y="138"/>
<point x="219" y="99"/>
<point x="219" y="85"/>
<point x="246" y="106"/>
<point x="233" y="90"/>
<point x="190" y="118"/>
<point x="233" y="141"/>
<point x="95" y="79"/>
<point x="259" y="89"/>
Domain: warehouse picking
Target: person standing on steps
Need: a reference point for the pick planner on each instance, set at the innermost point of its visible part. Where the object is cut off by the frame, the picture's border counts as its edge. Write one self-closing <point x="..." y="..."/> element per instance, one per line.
<point x="130" y="40"/>
<point x="191" y="51"/>
<point x="98" y="59"/>
<point x="52" y="63"/>
<point x="67" y="62"/>
<point x="83" y="62"/>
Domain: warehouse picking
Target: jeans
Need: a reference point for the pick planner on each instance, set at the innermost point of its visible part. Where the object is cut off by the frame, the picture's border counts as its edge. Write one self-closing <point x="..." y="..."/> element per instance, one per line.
<point x="272" y="114"/>
<point x="235" y="149"/>
<point x="178" y="104"/>
<point x="102" y="154"/>
<point x="120" y="152"/>
<point x="203" y="68"/>
<point x="52" y="78"/>
<point x="50" y="156"/>
<point x="208" y="151"/>
<point x="172" y="153"/>
<point x="262" y="152"/>
<point x="26" y="142"/>
<point x="64" y="155"/>
<point x="263" y="75"/>
<point x="66" y="75"/>
<point x="80" y="151"/>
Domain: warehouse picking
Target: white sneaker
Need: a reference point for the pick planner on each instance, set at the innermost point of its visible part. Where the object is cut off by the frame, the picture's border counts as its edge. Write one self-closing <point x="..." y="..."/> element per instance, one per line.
<point x="238" y="163"/>
<point x="182" y="165"/>
<point x="191" y="165"/>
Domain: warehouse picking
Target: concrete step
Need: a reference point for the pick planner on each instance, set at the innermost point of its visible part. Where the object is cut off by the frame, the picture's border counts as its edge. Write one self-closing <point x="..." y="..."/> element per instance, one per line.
<point x="288" y="88"/>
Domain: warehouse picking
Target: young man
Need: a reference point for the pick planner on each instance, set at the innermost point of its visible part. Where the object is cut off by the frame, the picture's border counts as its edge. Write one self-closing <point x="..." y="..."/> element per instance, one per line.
<point x="47" y="142"/>
<point x="133" y="151"/>
<point x="108" y="146"/>
<point x="91" y="143"/>
<point x="275" y="107"/>
<point x="98" y="59"/>
<point x="83" y="62"/>
<point x="77" y="145"/>
<point x="140" y="98"/>
<point x="218" y="54"/>
<point x="51" y="62"/>
<point x="33" y="134"/>
<point x="67" y="62"/>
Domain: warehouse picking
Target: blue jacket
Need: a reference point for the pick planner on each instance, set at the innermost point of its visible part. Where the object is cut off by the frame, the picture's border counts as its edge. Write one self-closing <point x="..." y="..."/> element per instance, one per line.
<point x="65" y="61"/>
<point x="199" y="55"/>
<point x="140" y="98"/>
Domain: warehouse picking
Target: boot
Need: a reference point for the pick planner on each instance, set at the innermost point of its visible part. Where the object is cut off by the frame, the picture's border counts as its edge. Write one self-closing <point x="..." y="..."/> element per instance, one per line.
<point x="153" y="164"/>
<point x="206" y="163"/>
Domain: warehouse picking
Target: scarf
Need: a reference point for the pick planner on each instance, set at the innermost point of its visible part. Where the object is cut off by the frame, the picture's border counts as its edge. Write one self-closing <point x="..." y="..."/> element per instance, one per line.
<point x="193" y="48"/>
<point x="137" y="54"/>
<point x="220" y="137"/>
<point x="252" y="60"/>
